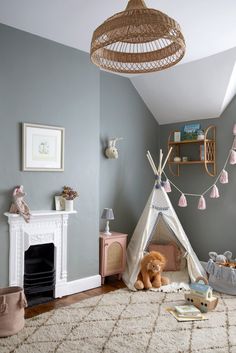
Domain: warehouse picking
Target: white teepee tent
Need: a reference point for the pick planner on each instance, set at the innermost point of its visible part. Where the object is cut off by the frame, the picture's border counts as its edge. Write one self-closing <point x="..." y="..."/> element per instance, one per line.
<point x="158" y="210"/>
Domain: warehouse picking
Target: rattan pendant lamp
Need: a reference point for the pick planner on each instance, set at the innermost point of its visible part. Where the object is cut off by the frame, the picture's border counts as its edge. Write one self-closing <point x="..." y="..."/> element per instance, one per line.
<point x="137" y="40"/>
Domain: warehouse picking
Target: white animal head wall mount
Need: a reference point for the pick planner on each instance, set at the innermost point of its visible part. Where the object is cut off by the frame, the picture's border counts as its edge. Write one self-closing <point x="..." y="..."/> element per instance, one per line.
<point x="111" y="151"/>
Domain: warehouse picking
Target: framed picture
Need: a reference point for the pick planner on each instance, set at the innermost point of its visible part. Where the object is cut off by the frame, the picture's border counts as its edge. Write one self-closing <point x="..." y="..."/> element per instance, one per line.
<point x="59" y="203"/>
<point x="177" y="136"/>
<point x="43" y="148"/>
<point x="189" y="131"/>
<point x="191" y="127"/>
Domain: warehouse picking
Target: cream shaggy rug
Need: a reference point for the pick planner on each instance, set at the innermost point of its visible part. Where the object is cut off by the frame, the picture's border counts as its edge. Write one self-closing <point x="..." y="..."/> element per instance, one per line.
<point x="126" y="322"/>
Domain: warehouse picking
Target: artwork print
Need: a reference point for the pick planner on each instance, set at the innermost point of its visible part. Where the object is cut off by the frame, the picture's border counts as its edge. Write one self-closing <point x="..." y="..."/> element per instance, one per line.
<point x="59" y="203"/>
<point x="189" y="131"/>
<point x="43" y="148"/>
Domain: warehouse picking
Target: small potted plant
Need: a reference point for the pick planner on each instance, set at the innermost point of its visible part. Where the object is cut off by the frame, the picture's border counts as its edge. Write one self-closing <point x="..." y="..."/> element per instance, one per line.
<point x="200" y="134"/>
<point x="69" y="195"/>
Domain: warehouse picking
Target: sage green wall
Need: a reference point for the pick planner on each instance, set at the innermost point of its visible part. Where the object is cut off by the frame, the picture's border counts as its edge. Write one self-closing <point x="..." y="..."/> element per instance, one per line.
<point x="125" y="183"/>
<point x="47" y="83"/>
<point x="214" y="228"/>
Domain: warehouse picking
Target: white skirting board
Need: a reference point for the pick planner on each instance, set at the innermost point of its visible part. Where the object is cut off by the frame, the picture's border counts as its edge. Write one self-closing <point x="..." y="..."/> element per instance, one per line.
<point x="77" y="286"/>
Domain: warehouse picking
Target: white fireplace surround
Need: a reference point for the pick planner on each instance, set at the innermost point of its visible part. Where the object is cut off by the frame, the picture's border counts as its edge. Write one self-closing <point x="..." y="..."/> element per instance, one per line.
<point x="44" y="227"/>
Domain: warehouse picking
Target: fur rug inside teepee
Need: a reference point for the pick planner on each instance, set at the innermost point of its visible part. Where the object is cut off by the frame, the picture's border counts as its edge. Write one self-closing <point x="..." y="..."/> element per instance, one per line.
<point x="179" y="281"/>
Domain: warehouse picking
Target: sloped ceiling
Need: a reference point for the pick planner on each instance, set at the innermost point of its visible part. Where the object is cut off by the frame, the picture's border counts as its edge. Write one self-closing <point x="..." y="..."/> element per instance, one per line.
<point x="197" y="90"/>
<point x="199" y="87"/>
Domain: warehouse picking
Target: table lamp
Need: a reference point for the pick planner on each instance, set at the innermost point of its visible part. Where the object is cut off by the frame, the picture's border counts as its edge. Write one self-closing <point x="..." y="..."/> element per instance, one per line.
<point x="108" y="215"/>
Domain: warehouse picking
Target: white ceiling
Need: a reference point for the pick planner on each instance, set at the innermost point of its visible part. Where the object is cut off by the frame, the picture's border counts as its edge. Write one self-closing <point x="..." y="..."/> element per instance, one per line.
<point x="197" y="90"/>
<point x="209" y="27"/>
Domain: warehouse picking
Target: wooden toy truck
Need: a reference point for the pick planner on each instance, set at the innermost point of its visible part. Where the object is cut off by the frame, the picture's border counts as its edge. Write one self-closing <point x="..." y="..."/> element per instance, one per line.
<point x="201" y="296"/>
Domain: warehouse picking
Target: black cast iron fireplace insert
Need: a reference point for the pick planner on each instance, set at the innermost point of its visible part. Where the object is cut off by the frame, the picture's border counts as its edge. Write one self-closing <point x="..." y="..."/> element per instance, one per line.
<point x="39" y="276"/>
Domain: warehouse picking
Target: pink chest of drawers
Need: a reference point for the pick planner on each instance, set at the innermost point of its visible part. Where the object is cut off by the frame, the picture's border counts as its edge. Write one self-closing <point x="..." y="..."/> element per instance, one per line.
<point x="112" y="254"/>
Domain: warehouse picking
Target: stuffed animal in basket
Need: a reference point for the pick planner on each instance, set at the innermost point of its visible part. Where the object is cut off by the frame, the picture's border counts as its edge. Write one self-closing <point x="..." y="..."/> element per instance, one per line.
<point x="150" y="274"/>
<point x="223" y="260"/>
<point x="19" y="205"/>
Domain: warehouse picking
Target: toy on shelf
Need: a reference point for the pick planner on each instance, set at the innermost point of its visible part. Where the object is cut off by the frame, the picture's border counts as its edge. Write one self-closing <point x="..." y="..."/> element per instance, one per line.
<point x="18" y="203"/>
<point x="201" y="296"/>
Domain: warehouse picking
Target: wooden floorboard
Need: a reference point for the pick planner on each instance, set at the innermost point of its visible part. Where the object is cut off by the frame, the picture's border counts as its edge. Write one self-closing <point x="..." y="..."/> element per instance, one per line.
<point x="111" y="284"/>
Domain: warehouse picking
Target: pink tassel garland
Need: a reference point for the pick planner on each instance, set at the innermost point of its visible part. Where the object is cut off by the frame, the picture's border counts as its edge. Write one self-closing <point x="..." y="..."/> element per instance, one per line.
<point x="202" y="203"/>
<point x="214" y="192"/>
<point x="167" y="186"/>
<point x="234" y="130"/>
<point x="224" y="179"/>
<point x="182" y="201"/>
<point x="232" y="159"/>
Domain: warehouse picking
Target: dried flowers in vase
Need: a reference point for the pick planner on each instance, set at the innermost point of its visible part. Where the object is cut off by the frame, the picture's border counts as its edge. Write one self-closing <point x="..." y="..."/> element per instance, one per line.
<point x="69" y="195"/>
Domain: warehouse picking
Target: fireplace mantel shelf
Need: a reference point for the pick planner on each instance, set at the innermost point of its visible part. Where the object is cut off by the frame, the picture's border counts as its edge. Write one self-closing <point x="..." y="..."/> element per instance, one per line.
<point x="41" y="213"/>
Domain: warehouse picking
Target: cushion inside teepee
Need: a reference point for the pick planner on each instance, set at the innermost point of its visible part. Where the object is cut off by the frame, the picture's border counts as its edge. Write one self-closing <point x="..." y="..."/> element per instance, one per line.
<point x="171" y="253"/>
<point x="164" y="241"/>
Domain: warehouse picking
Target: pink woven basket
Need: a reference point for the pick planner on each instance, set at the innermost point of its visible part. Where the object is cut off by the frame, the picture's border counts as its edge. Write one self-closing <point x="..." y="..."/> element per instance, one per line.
<point x="12" y="310"/>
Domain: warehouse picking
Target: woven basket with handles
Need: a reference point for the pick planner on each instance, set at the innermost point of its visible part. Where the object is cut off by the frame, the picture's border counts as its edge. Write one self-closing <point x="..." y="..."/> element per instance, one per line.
<point x="12" y="310"/>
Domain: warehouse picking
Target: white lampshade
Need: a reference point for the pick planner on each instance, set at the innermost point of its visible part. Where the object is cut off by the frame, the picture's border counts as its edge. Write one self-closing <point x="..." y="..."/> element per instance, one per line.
<point x="108" y="214"/>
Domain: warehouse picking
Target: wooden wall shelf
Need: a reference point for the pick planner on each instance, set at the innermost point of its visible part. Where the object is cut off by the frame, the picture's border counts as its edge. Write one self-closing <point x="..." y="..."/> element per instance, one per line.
<point x="208" y="145"/>
<point x="188" y="141"/>
<point x="192" y="162"/>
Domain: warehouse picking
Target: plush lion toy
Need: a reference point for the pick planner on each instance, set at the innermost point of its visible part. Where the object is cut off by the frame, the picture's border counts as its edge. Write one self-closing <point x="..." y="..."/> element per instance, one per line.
<point x="150" y="276"/>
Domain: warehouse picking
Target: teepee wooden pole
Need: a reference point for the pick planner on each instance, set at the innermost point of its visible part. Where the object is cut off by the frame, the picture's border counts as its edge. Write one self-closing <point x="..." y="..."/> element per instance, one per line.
<point x="152" y="163"/>
<point x="160" y="162"/>
<point x="167" y="157"/>
<point x="154" y="166"/>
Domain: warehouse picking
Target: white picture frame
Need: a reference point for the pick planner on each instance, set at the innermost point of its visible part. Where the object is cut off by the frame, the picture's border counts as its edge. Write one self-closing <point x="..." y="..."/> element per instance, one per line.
<point x="177" y="136"/>
<point x="42" y="148"/>
<point x="59" y="203"/>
